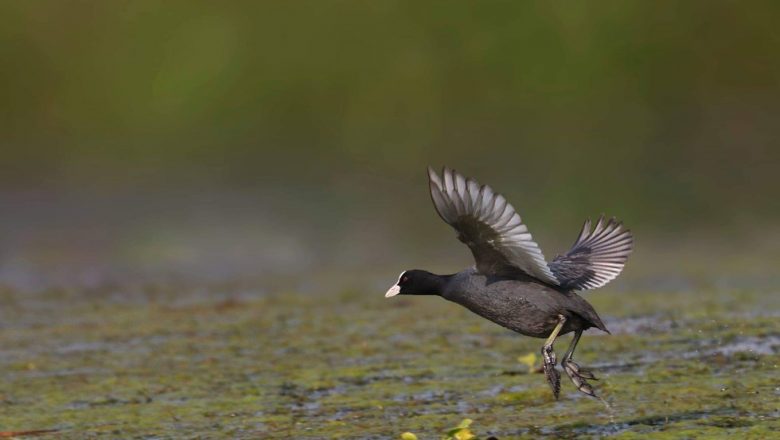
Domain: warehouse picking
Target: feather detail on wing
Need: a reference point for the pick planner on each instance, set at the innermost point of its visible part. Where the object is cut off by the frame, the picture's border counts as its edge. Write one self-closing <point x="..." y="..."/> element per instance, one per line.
<point x="489" y="225"/>
<point x="596" y="258"/>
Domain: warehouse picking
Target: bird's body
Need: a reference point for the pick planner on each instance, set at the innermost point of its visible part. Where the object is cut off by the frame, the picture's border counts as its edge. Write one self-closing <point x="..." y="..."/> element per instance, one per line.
<point x="521" y="304"/>
<point x="512" y="284"/>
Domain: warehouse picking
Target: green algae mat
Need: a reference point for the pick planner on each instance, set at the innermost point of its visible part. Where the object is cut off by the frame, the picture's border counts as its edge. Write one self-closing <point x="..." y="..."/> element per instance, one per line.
<point x="164" y="362"/>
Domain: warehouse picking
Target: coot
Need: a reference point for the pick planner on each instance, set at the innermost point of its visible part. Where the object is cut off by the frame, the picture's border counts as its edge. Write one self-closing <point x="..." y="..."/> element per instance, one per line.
<point x="511" y="283"/>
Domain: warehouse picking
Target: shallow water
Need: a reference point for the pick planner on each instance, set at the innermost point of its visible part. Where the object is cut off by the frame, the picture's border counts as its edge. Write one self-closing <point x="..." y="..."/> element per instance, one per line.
<point x="234" y="364"/>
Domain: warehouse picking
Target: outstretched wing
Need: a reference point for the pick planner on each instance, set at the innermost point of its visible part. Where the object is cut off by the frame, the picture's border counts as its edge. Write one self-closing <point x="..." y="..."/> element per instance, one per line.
<point x="596" y="258"/>
<point x="489" y="225"/>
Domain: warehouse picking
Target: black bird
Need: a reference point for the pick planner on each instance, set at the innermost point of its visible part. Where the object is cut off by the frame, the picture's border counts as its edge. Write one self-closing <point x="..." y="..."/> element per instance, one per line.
<point x="512" y="284"/>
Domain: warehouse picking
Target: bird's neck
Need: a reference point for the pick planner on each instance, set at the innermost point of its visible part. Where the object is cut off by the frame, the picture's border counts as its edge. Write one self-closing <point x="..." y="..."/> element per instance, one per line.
<point x="431" y="284"/>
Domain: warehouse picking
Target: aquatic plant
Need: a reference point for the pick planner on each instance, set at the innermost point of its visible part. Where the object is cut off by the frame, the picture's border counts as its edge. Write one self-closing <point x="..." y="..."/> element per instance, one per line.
<point x="461" y="432"/>
<point x="529" y="361"/>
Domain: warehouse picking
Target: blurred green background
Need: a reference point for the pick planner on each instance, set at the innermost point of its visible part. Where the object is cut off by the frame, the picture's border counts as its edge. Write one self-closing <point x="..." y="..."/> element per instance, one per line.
<point x="259" y="140"/>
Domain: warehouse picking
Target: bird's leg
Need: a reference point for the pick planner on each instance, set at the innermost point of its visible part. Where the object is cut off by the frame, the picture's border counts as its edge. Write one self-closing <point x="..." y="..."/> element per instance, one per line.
<point x="577" y="375"/>
<point x="553" y="376"/>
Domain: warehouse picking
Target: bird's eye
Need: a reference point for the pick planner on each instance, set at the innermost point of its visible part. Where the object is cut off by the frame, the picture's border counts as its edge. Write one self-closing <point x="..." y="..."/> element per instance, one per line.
<point x="404" y="280"/>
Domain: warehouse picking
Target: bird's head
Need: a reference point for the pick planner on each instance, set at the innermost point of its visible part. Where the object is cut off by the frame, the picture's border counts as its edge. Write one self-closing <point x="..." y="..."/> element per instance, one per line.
<point x="416" y="282"/>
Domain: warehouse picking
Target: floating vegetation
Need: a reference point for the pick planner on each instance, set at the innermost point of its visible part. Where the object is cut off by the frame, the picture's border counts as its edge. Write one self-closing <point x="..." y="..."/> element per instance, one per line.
<point x="530" y="361"/>
<point x="311" y="367"/>
<point x="461" y="432"/>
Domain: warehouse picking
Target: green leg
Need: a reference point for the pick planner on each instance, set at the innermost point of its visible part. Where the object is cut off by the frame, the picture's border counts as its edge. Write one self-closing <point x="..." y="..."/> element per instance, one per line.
<point x="577" y="375"/>
<point x="572" y="345"/>
<point x="553" y="376"/>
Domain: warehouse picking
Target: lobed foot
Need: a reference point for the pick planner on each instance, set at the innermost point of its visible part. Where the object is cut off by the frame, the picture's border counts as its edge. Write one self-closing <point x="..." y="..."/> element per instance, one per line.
<point x="578" y="377"/>
<point x="552" y="375"/>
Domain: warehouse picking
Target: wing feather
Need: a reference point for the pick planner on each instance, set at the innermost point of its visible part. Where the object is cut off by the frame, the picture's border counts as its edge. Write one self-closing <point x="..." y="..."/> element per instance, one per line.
<point x="597" y="256"/>
<point x="489" y="225"/>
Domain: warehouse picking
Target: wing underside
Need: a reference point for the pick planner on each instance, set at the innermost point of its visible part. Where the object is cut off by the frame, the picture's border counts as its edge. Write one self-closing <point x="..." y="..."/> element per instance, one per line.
<point x="489" y="225"/>
<point x="596" y="258"/>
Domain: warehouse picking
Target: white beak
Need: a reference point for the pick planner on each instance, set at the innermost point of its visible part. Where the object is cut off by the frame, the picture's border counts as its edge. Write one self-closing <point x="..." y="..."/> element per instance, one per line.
<point x="395" y="290"/>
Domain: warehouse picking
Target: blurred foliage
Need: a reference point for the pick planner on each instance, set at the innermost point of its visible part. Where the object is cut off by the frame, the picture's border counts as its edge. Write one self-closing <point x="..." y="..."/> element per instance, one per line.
<point x="662" y="113"/>
<point x="529" y="360"/>
<point x="461" y="432"/>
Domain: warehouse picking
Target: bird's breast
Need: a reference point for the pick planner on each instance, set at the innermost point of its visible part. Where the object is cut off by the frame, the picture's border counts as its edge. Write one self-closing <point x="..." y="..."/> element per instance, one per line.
<point x="515" y="311"/>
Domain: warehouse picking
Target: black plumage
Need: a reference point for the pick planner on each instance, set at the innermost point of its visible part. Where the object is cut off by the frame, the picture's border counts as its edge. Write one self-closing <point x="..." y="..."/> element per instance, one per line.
<point x="511" y="283"/>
